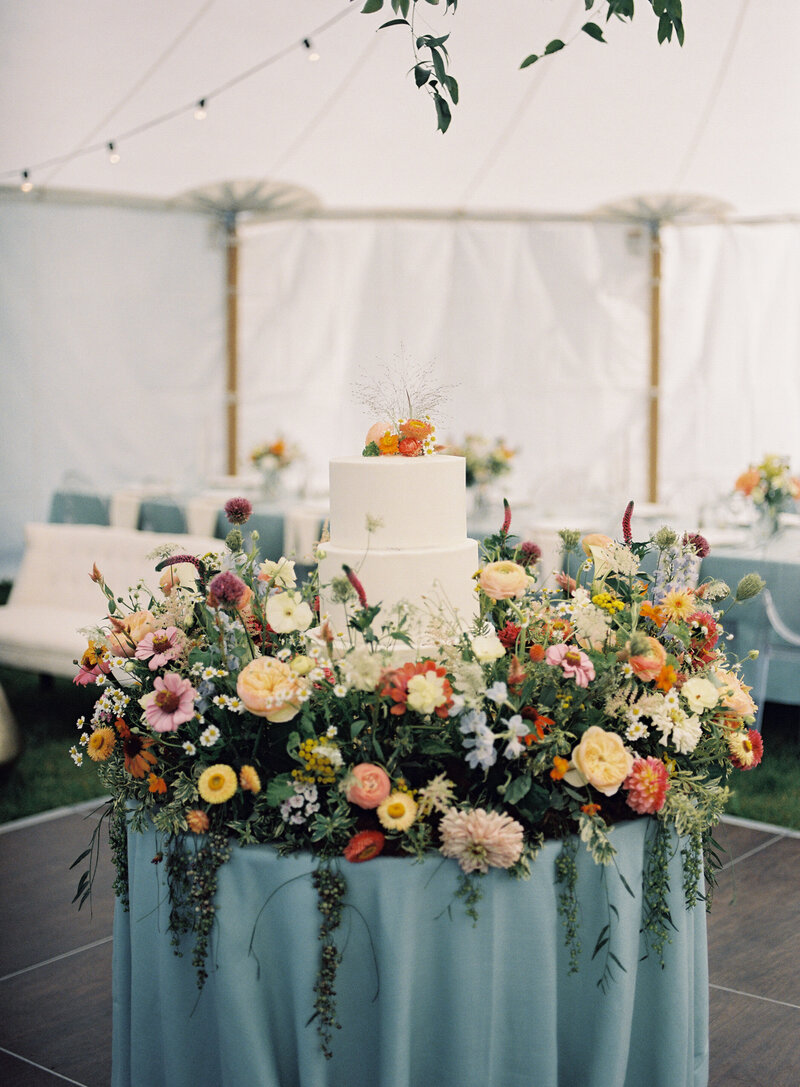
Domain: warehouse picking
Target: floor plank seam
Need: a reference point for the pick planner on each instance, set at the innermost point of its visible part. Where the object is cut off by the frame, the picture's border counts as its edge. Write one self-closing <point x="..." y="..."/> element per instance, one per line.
<point x="751" y="852"/>
<point x="57" y="958"/>
<point x="754" y="996"/>
<point x="41" y="1067"/>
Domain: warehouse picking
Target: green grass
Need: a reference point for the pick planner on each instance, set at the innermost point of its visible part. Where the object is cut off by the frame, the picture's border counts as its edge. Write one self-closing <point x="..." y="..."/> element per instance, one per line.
<point x="44" y="776"/>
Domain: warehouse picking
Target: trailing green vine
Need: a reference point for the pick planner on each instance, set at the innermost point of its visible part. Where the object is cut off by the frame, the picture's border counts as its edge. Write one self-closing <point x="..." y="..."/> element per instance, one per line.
<point x="330" y="887"/>
<point x="430" y="71"/>
<point x="192" y="881"/>
<point x="657" y="923"/>
<point x="566" y="871"/>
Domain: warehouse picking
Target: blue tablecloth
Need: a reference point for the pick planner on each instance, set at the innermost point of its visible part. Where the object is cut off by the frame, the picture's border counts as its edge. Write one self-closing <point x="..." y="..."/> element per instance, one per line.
<point x="425" y="997"/>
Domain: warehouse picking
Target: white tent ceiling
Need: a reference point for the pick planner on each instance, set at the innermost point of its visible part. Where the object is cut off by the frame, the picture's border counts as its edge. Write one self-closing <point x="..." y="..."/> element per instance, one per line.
<point x="588" y="126"/>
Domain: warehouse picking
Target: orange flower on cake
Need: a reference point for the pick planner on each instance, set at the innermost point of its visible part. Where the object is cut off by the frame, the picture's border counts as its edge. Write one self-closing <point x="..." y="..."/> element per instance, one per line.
<point x="269" y="688"/>
<point x="421" y="686"/>
<point x="600" y="760"/>
<point x="504" y="580"/>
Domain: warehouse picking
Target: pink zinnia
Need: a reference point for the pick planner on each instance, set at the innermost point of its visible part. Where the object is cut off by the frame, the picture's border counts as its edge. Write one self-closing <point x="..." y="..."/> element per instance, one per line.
<point x="171" y="704"/>
<point x="159" y="647"/>
<point x="647" y="785"/>
<point x="480" y="840"/>
<point x="574" y="663"/>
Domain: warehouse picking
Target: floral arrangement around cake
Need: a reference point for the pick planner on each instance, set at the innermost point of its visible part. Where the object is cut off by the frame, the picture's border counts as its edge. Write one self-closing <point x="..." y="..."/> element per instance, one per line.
<point x="228" y="714"/>
<point x="403" y="438"/>
<point x="771" y="487"/>
<point x="485" y="460"/>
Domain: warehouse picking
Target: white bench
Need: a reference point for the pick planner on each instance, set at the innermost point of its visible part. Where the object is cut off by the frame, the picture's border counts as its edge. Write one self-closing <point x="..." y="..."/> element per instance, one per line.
<point x="53" y="596"/>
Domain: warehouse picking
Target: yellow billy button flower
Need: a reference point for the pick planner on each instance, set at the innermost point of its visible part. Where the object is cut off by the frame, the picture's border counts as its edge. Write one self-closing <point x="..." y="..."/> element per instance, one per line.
<point x="101" y="744"/>
<point x="217" y="784"/>
<point x="398" y="811"/>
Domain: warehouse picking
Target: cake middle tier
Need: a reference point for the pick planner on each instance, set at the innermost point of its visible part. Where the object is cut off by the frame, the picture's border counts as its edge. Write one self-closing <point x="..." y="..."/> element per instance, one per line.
<point x="438" y="583"/>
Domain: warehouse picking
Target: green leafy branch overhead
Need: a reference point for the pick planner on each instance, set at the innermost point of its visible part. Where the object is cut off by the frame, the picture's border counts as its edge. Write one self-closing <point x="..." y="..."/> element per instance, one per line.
<point x="431" y="57"/>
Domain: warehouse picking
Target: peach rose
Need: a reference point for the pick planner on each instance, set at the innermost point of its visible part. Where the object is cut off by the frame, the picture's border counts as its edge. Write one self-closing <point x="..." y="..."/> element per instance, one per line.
<point x="376" y="432"/>
<point x="367" y="785"/>
<point x="736" y="695"/>
<point x="269" y="688"/>
<point x="501" y="580"/>
<point x="602" y="760"/>
<point x="648" y="665"/>
<point x="128" y="632"/>
<point x="594" y="539"/>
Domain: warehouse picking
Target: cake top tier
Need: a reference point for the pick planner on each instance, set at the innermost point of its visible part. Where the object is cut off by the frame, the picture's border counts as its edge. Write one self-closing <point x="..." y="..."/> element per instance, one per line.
<point x="396" y="502"/>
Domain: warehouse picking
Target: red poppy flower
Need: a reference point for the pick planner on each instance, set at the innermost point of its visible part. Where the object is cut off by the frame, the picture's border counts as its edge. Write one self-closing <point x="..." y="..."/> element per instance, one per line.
<point x="364" y="846"/>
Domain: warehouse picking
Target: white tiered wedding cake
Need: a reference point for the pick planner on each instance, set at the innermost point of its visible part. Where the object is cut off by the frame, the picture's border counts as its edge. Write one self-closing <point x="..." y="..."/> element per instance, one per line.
<point x="400" y="523"/>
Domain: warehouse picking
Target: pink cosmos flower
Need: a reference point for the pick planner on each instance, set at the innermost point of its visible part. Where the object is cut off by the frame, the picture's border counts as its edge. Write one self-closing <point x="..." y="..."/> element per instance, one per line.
<point x="480" y="839"/>
<point x="574" y="663"/>
<point x="647" y="785"/>
<point x="170" y="704"/>
<point x="159" y="647"/>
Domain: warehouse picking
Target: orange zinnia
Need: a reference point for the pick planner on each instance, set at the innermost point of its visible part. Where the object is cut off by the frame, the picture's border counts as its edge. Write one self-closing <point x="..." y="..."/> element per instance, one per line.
<point x="387" y="444"/>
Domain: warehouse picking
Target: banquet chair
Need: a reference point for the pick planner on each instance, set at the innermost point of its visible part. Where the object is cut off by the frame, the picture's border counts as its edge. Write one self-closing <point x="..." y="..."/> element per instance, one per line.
<point x="161" y="515"/>
<point x="78" y="508"/>
<point x="779" y="642"/>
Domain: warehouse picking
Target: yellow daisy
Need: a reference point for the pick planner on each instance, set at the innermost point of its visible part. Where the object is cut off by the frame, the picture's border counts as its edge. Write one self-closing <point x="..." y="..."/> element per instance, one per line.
<point x="398" y="811"/>
<point x="101" y="744"/>
<point x="217" y="784"/>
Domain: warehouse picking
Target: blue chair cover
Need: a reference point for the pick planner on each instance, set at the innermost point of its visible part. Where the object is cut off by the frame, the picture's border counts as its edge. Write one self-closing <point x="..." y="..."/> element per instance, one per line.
<point x="75" y="508"/>
<point x="161" y="515"/>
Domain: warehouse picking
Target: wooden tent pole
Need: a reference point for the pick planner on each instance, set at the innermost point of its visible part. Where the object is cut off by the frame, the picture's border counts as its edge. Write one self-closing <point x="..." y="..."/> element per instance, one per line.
<point x="655" y="361"/>
<point x="232" y="343"/>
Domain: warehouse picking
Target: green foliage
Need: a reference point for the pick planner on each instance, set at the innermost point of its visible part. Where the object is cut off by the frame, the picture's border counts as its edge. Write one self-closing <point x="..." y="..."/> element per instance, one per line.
<point x="430" y="72"/>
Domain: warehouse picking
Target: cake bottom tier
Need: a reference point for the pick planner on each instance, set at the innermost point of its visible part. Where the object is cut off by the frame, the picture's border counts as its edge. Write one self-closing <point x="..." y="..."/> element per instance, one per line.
<point x="437" y="583"/>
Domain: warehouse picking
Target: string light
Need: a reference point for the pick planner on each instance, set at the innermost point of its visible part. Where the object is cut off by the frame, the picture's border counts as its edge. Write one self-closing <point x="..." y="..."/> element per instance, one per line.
<point x="198" y="107"/>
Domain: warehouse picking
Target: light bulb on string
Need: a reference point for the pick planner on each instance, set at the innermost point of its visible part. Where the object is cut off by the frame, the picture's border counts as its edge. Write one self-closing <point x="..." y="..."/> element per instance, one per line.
<point x="113" y="154"/>
<point x="313" y="55"/>
<point x="26" y="184"/>
<point x="200" y="112"/>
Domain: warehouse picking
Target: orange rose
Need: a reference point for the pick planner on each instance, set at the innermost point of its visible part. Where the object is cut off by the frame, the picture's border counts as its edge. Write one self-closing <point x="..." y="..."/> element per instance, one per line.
<point x="269" y="688"/>
<point x="501" y="580"/>
<point x="647" y="666"/>
<point x="128" y="632"/>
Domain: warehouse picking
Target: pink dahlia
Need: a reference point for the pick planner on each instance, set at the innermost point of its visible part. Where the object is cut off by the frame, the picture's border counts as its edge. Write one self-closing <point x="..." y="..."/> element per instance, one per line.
<point x="746" y="748"/>
<point x="480" y="839"/>
<point x="572" y="661"/>
<point x="647" y="785"/>
<point x="170" y="704"/>
<point x="159" y="647"/>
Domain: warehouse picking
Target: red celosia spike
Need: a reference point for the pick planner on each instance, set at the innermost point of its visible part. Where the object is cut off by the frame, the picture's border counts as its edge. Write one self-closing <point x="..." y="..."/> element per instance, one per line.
<point x="626" y="524"/>
<point x="506" y="517"/>
<point x="359" y="588"/>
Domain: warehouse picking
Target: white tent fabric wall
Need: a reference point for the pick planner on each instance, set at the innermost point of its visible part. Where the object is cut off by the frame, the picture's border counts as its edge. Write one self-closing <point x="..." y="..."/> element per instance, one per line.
<point x="111" y="326"/>
<point x="539" y="329"/>
<point x="731" y="354"/>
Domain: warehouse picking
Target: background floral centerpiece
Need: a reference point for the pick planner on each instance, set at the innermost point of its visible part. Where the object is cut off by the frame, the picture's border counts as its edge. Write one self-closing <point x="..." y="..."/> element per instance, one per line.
<point x="272" y="459"/>
<point x="772" y="488"/>
<point x="486" y="462"/>
<point x="229" y="715"/>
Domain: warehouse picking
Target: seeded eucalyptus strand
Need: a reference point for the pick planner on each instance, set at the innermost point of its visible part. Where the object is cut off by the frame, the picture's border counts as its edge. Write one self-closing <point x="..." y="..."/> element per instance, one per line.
<point x="656" y="917"/>
<point x="118" y="843"/>
<point x="330" y="887"/>
<point x="192" y="880"/>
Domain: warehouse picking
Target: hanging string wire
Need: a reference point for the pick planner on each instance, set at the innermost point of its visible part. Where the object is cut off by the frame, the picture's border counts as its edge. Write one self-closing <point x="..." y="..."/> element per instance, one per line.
<point x="326" y="107"/>
<point x="88" y="149"/>
<point x="131" y="94"/>
<point x="716" y="88"/>
<point x="513" y="123"/>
